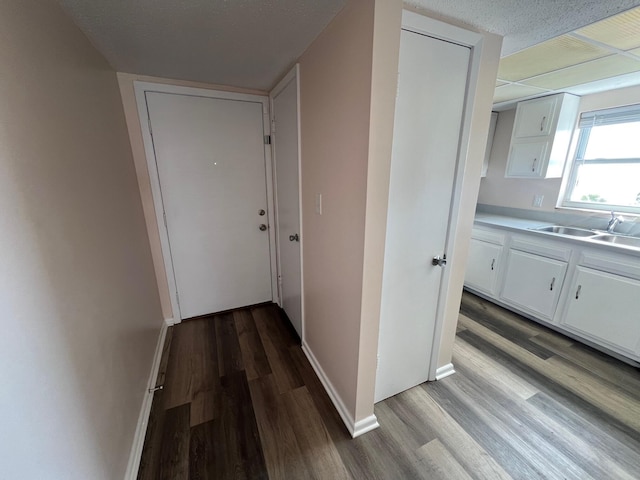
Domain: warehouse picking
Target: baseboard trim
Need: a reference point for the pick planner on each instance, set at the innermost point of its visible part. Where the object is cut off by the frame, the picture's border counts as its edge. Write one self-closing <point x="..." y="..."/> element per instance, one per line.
<point x="444" y="371"/>
<point x="355" y="429"/>
<point x="365" y="425"/>
<point x="143" y="419"/>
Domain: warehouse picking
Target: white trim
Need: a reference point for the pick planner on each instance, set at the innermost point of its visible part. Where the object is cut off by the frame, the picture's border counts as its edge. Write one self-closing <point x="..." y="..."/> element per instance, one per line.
<point x="141" y="88"/>
<point x="444" y="371"/>
<point x="143" y="418"/>
<point x="474" y="41"/>
<point x="293" y="75"/>
<point x="355" y="429"/>
<point x="365" y="425"/>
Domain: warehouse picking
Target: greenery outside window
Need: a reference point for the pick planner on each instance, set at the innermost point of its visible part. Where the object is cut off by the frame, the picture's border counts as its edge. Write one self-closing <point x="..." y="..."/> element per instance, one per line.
<point x="605" y="172"/>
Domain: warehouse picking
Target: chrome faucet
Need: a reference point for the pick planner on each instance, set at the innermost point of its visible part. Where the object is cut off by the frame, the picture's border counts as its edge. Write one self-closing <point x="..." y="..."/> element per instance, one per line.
<point x="615" y="220"/>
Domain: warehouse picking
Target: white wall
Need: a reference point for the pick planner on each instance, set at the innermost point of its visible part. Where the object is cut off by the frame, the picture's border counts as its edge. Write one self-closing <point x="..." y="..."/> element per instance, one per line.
<point x="518" y="193"/>
<point x="81" y="312"/>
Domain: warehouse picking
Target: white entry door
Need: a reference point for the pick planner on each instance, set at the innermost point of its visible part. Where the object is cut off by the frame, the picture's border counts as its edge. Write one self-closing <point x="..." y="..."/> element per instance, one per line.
<point x="210" y="158"/>
<point x="428" y="122"/>
<point x="284" y="100"/>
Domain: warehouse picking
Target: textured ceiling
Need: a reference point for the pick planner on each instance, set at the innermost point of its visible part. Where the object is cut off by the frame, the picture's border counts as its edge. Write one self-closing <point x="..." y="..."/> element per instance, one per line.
<point x="524" y="23"/>
<point x="244" y="43"/>
<point x="250" y="43"/>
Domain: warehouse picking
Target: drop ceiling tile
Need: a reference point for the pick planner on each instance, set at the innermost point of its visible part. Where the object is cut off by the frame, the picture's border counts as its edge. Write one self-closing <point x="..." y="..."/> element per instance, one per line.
<point x="621" y="31"/>
<point x="548" y="56"/>
<point x="586" y="72"/>
<point x="500" y="82"/>
<point x="635" y="51"/>
<point x="512" y="92"/>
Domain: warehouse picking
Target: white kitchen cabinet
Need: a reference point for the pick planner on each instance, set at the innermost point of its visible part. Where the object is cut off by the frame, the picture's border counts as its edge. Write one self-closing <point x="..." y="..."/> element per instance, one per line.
<point x="533" y="283"/>
<point x="605" y="307"/>
<point x="528" y="158"/>
<point x="534" y="117"/>
<point x="482" y="266"/>
<point x="541" y="136"/>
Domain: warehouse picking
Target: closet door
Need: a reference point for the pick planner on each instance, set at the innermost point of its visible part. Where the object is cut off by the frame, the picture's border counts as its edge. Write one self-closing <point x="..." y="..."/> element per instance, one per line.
<point x="428" y="122"/>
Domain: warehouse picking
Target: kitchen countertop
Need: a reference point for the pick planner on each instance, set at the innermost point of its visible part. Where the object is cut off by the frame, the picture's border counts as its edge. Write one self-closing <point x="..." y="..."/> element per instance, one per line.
<point x="522" y="225"/>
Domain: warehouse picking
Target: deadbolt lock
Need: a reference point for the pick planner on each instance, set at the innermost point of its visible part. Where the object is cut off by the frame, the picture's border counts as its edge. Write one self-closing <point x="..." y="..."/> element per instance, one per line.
<point x="262" y="227"/>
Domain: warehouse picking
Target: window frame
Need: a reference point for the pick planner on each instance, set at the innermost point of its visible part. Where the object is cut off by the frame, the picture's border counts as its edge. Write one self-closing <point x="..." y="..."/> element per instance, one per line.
<point x="587" y="121"/>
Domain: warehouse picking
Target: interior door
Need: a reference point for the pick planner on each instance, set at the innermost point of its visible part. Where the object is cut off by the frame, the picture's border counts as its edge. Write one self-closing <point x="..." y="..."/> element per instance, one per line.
<point x="286" y="156"/>
<point x="210" y="157"/>
<point x="428" y="120"/>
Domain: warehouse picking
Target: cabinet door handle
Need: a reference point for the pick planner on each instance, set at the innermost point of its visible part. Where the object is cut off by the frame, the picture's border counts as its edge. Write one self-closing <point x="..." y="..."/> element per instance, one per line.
<point x="533" y="165"/>
<point x="578" y="291"/>
<point x="493" y="263"/>
<point x="553" y="282"/>
<point x="544" y="119"/>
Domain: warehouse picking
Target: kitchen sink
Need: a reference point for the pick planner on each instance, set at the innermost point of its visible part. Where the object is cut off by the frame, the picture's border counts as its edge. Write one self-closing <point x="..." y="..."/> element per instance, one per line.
<point x="571" y="231"/>
<point x="618" y="240"/>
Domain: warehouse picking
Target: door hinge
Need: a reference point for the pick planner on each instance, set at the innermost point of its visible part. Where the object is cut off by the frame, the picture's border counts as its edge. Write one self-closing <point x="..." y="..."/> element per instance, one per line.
<point x="273" y="126"/>
<point x="164" y="217"/>
<point x="177" y="299"/>
<point x="267" y="139"/>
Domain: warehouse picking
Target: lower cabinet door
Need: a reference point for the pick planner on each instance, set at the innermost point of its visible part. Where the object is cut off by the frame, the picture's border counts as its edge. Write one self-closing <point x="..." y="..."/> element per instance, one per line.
<point x="533" y="283"/>
<point x="482" y="266"/>
<point x="606" y="307"/>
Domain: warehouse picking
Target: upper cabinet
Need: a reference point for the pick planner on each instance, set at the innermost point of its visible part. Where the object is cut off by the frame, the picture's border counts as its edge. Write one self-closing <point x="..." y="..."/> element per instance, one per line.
<point x="487" y="152"/>
<point x="541" y="136"/>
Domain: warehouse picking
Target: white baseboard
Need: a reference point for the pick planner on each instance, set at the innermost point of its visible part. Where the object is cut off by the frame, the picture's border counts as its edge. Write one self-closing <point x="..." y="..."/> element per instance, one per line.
<point x="365" y="425"/>
<point x="355" y="428"/>
<point x="143" y="419"/>
<point x="444" y="371"/>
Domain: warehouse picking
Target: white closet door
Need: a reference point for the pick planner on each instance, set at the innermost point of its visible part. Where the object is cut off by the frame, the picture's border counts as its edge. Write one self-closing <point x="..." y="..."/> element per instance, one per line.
<point x="285" y="113"/>
<point x="428" y="120"/>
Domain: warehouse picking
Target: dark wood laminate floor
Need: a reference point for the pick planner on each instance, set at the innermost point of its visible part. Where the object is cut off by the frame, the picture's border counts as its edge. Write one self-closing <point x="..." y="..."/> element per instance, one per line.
<point x="241" y="401"/>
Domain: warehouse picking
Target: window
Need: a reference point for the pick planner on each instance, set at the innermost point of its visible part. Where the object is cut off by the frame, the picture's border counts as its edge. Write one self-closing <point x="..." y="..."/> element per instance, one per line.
<point x="605" y="173"/>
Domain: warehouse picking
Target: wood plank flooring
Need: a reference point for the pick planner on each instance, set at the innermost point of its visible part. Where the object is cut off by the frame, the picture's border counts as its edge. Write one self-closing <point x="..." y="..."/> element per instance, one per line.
<point x="240" y="401"/>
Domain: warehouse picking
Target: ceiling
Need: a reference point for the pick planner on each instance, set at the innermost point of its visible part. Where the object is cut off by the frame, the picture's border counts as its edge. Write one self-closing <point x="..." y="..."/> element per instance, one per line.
<point x="244" y="43"/>
<point x="250" y="43"/>
<point x="598" y="57"/>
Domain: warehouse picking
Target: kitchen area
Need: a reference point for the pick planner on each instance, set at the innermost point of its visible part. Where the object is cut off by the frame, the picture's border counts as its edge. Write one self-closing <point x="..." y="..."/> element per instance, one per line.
<point x="557" y="228"/>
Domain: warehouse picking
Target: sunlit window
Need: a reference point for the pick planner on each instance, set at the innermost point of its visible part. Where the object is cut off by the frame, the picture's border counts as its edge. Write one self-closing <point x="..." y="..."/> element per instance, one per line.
<point x="605" y="173"/>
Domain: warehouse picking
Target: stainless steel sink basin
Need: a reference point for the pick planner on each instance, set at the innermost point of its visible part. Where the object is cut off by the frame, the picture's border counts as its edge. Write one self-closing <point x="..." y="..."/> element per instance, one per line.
<point x="571" y="231"/>
<point x="618" y="240"/>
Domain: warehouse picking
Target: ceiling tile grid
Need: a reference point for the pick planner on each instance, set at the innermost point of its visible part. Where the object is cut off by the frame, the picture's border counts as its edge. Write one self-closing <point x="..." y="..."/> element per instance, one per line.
<point x="586" y="60"/>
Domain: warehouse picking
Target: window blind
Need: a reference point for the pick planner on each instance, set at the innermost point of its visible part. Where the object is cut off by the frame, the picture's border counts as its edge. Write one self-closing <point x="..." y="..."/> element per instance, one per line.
<point x="610" y="116"/>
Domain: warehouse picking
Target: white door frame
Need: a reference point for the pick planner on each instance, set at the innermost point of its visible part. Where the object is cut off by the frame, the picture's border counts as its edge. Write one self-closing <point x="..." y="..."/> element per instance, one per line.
<point x="293" y="75"/>
<point x="414" y="22"/>
<point x="141" y="88"/>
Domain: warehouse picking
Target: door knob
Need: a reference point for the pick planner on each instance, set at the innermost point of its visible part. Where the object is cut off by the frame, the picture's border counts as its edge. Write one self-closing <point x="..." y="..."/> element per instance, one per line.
<point x="439" y="261"/>
<point x="294" y="238"/>
<point x="262" y="227"/>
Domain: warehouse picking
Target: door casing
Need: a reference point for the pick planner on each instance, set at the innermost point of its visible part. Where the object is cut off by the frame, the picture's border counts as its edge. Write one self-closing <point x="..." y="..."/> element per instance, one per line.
<point x="141" y="88"/>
